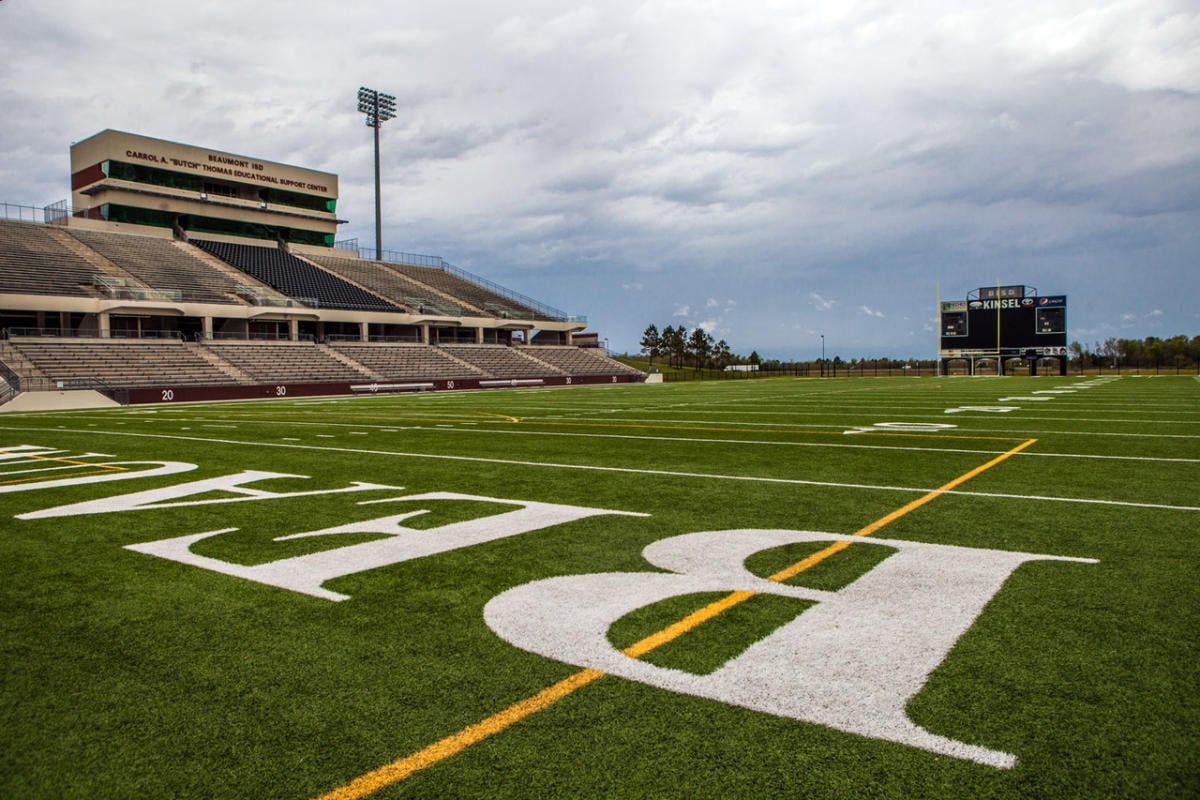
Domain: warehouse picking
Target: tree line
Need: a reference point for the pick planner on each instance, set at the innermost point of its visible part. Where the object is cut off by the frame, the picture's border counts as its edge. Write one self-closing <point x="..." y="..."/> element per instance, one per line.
<point x="695" y="348"/>
<point x="1176" y="351"/>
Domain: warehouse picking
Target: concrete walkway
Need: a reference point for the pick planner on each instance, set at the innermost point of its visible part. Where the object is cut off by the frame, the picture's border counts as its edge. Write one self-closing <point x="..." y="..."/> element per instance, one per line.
<point x="57" y="401"/>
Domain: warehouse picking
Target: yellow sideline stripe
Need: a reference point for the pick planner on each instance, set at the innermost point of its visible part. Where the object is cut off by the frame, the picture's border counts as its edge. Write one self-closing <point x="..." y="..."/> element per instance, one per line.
<point x="397" y="771"/>
<point x="837" y="547"/>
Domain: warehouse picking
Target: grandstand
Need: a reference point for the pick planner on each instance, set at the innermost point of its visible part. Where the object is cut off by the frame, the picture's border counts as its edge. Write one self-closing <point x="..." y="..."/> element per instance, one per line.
<point x="173" y="280"/>
<point x="161" y="262"/>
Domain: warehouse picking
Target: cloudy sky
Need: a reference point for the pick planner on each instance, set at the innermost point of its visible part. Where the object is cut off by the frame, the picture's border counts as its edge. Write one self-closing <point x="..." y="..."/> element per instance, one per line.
<point x="770" y="171"/>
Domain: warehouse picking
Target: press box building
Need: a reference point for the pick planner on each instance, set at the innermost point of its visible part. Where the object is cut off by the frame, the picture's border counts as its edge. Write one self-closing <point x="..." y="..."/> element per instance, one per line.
<point x="126" y="179"/>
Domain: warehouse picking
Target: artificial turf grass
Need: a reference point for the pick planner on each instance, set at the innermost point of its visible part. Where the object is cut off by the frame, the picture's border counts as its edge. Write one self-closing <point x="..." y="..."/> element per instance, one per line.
<point x="1109" y="693"/>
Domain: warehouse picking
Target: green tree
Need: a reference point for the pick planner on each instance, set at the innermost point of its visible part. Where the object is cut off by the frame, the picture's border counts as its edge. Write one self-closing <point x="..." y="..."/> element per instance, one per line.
<point x="700" y="346"/>
<point x="722" y="355"/>
<point x="652" y="342"/>
<point x="674" y="342"/>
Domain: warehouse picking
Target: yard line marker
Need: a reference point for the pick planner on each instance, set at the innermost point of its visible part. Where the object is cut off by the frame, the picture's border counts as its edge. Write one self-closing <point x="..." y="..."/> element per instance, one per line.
<point x="439" y="751"/>
<point x="628" y="470"/>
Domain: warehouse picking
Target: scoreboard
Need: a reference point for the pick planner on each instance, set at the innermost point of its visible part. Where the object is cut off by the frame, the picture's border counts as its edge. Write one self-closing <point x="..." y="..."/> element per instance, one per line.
<point x="1003" y="321"/>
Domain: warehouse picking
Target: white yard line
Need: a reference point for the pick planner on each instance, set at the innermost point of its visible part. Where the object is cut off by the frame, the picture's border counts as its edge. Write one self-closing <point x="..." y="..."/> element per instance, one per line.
<point x="960" y="434"/>
<point x="623" y="470"/>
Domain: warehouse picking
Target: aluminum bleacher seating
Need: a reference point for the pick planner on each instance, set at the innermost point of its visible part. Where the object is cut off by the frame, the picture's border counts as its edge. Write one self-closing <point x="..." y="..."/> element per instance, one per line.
<point x="499" y="361"/>
<point x="290" y="362"/>
<point x="119" y="363"/>
<point x="408" y="361"/>
<point x="162" y="264"/>
<point x="32" y="261"/>
<point x="489" y="302"/>
<point x="580" y="361"/>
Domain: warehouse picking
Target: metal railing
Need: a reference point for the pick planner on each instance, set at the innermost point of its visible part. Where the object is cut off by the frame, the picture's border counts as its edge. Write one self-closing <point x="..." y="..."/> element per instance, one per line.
<point x="21" y="213"/>
<point x="59" y="333"/>
<point x="119" y="289"/>
<point x="56" y="212"/>
<point x="10" y="382"/>
<point x="437" y="262"/>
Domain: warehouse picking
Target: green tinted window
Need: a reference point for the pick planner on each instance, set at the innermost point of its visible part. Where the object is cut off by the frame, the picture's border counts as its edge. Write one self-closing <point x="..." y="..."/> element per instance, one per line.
<point x="136" y="216"/>
<point x="139" y="173"/>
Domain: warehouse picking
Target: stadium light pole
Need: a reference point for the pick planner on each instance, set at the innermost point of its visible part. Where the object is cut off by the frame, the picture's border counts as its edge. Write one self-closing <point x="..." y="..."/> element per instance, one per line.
<point x="822" y="355"/>
<point x="379" y="108"/>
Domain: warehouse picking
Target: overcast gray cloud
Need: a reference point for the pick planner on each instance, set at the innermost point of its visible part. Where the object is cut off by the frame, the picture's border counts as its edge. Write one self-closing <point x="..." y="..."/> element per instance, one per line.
<point x="775" y="171"/>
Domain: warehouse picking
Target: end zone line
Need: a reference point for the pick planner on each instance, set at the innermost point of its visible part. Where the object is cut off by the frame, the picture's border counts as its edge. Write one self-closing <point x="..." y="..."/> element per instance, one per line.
<point x="399" y="770"/>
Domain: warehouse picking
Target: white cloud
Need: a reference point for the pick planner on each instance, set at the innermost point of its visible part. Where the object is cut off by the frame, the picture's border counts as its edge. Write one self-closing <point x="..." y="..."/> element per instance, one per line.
<point x="870" y="312"/>
<point x="1140" y="46"/>
<point x="531" y="37"/>
<point x="821" y="303"/>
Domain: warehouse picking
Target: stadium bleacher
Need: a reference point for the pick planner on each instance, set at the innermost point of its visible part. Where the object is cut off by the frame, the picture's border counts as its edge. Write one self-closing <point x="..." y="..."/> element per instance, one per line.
<point x="33" y="261"/>
<point x="163" y="264"/>
<point x="118" y="281"/>
<point x="295" y="277"/>
<point x="492" y="303"/>
<point x="113" y="363"/>
<point x="386" y="280"/>
<point x="579" y="361"/>
<point x="287" y="362"/>
<point x="499" y="361"/>
<point x="408" y="361"/>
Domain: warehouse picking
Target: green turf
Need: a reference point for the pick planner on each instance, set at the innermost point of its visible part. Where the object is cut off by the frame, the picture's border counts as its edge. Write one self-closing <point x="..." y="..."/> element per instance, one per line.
<point x="129" y="675"/>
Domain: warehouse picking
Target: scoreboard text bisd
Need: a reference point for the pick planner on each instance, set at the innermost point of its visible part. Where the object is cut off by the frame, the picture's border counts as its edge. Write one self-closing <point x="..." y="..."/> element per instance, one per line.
<point x="1004" y="322"/>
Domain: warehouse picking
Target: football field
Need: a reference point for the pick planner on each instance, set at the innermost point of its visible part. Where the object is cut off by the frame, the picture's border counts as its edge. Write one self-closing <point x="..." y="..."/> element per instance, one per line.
<point x="783" y="588"/>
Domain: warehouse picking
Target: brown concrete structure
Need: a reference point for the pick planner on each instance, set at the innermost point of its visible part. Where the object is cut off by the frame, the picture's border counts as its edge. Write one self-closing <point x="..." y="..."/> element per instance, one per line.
<point x="133" y="180"/>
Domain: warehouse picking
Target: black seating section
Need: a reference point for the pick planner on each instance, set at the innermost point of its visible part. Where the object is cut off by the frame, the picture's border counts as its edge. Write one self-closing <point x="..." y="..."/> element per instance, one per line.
<point x="295" y="277"/>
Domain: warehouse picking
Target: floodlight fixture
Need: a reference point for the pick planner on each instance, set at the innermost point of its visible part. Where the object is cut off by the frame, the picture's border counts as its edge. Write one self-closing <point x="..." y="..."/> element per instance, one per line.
<point x="379" y="108"/>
